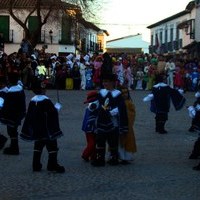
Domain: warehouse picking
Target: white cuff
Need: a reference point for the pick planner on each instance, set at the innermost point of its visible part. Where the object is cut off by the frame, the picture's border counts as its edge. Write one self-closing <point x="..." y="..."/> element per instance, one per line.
<point x="191" y="111"/>
<point x="114" y="111"/>
<point x="148" y="98"/>
<point x="197" y="95"/>
<point x="181" y="91"/>
<point x="197" y="107"/>
<point x="1" y="102"/>
<point x="58" y="106"/>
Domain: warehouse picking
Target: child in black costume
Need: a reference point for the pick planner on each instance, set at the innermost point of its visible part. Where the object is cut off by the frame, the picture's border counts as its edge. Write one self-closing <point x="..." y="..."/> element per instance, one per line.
<point x="41" y="125"/>
<point x="193" y="125"/>
<point x="111" y="121"/>
<point x="194" y="113"/>
<point x="160" y="98"/>
<point x="3" y="91"/>
<point x="13" y="111"/>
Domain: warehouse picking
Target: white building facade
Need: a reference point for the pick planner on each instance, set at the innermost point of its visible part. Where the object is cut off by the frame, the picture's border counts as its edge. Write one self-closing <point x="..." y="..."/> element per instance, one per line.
<point x="178" y="33"/>
<point x="60" y="35"/>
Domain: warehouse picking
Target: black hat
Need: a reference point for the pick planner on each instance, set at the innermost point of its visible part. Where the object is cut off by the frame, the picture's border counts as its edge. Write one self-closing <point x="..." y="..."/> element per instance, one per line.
<point x="13" y="77"/>
<point x="3" y="79"/>
<point x="37" y="85"/>
<point x="160" y="77"/>
<point x="110" y="77"/>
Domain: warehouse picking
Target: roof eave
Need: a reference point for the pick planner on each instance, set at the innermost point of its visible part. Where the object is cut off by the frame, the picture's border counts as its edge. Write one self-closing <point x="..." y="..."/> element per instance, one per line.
<point x="169" y="19"/>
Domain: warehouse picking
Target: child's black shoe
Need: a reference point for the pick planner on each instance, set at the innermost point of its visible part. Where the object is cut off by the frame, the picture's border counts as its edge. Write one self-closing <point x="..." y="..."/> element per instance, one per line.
<point x="85" y="158"/>
<point x="55" y="168"/>
<point x="191" y="129"/>
<point x="37" y="168"/>
<point x="3" y="141"/>
<point x="124" y="162"/>
<point x="113" y="161"/>
<point x="98" y="163"/>
<point x="197" y="167"/>
<point x="162" y="131"/>
<point x="193" y="156"/>
<point x="11" y="151"/>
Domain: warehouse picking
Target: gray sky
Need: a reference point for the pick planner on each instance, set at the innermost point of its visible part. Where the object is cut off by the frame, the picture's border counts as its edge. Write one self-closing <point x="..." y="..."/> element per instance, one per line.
<point x="128" y="17"/>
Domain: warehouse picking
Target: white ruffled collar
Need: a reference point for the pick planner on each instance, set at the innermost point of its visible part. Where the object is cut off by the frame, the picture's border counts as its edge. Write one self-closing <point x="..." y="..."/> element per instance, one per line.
<point x="15" y="88"/>
<point x="160" y="85"/>
<point x="114" y="92"/>
<point x="5" y="89"/>
<point x="37" y="98"/>
<point x="197" y="94"/>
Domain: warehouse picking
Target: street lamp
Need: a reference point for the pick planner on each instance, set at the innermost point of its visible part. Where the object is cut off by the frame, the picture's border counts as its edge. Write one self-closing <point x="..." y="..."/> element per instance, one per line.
<point x="51" y="36"/>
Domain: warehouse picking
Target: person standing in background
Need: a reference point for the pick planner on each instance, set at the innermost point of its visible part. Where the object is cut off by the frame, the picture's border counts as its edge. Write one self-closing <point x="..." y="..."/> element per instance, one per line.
<point x="107" y="66"/>
<point x="97" y="72"/>
<point x="170" y="70"/>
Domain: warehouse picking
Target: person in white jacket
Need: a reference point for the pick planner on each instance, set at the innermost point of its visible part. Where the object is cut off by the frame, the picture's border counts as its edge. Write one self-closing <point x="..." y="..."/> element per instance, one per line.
<point x="170" y="69"/>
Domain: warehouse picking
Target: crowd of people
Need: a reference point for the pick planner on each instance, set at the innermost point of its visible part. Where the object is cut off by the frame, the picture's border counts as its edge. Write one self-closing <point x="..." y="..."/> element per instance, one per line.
<point x="83" y="71"/>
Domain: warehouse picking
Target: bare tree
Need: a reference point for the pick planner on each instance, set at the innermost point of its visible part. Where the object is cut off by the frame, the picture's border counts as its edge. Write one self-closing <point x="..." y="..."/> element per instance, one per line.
<point x="90" y="8"/>
<point x="44" y="10"/>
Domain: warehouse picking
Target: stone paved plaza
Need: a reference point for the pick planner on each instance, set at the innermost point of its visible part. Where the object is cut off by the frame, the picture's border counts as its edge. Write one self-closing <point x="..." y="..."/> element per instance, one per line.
<point x="161" y="169"/>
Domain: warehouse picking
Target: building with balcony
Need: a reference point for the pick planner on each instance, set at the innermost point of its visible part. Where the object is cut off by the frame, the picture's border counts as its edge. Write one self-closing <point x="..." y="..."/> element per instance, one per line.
<point x="177" y="34"/>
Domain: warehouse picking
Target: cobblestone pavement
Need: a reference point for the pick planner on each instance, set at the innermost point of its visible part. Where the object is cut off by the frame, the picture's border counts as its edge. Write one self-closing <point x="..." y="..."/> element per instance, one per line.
<point x="161" y="169"/>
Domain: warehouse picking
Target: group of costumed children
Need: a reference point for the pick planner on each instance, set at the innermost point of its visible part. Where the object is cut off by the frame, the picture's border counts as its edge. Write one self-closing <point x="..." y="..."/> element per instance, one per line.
<point x="108" y="119"/>
<point x="160" y="98"/>
<point x="110" y="115"/>
<point x="41" y="123"/>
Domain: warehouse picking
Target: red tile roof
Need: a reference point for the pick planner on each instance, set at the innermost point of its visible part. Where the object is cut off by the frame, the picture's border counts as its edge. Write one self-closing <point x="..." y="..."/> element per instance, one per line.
<point x="31" y="3"/>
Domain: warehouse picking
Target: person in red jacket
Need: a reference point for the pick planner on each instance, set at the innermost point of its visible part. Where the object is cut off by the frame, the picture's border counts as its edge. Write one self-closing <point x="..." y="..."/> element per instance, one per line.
<point x="88" y="125"/>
